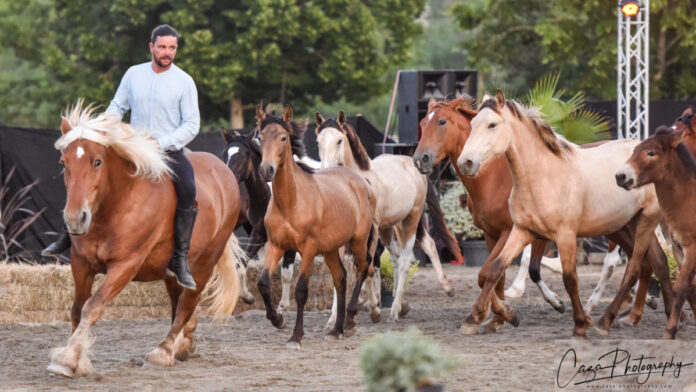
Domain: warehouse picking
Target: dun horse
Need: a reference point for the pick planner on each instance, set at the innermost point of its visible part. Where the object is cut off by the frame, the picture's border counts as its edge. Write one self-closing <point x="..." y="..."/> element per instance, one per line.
<point x="313" y="213"/>
<point x="120" y="216"/>
<point x="401" y="194"/>
<point x="666" y="162"/>
<point x="560" y="192"/>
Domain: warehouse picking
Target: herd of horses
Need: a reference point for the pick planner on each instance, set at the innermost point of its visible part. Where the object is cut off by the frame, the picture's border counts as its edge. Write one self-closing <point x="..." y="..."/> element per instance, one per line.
<point x="526" y="185"/>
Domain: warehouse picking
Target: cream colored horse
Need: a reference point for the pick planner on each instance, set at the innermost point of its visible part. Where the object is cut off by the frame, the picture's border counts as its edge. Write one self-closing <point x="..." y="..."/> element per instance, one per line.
<point x="560" y="192"/>
<point x="400" y="190"/>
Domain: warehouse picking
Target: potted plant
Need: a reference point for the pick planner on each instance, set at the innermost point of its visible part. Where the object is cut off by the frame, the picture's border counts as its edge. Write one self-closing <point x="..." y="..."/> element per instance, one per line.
<point x="461" y="224"/>
<point x="404" y="362"/>
<point x="387" y="278"/>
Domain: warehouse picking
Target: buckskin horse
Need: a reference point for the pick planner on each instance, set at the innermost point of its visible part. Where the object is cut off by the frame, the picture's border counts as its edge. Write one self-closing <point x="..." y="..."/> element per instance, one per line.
<point x="120" y="216"/>
<point x="559" y="192"/>
<point x="313" y="213"/>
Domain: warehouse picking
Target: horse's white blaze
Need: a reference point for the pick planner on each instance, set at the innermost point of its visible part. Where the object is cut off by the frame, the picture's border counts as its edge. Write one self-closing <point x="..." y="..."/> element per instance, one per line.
<point x="79" y="152"/>
<point x="331" y="152"/>
<point x="430" y="116"/>
<point x="230" y="153"/>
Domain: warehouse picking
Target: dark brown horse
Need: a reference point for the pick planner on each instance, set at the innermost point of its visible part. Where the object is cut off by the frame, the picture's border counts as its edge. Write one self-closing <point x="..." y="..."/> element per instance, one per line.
<point x="445" y="130"/>
<point x="313" y="213"/>
<point x="665" y="161"/>
<point x="120" y="216"/>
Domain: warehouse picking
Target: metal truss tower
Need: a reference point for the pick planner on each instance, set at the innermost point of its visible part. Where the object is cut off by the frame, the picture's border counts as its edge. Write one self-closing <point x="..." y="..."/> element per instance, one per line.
<point x="633" y="69"/>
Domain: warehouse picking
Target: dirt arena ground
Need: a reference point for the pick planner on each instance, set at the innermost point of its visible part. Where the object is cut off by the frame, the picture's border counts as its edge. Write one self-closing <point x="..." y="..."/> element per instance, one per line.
<point x="248" y="354"/>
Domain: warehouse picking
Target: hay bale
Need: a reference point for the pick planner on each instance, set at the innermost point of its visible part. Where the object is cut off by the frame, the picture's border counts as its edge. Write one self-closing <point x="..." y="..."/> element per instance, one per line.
<point x="44" y="293"/>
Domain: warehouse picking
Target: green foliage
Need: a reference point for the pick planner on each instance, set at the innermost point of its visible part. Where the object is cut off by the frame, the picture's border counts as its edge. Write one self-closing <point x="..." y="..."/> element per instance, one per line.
<point x="386" y="271"/>
<point x="458" y="219"/>
<point x="519" y="41"/>
<point x="402" y="361"/>
<point x="291" y="51"/>
<point x="569" y="118"/>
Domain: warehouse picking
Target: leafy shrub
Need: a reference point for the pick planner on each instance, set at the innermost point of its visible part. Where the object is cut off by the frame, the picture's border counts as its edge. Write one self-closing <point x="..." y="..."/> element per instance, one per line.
<point x="458" y="219"/>
<point x="386" y="271"/>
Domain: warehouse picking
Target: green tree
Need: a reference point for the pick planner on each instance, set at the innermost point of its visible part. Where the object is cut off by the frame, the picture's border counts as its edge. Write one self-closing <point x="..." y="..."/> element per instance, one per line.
<point x="288" y="51"/>
<point x="519" y="41"/>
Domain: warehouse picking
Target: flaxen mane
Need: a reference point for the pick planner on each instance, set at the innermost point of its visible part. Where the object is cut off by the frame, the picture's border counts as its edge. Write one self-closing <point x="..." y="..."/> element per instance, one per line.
<point x="359" y="152"/>
<point x="296" y="131"/>
<point x="558" y="145"/>
<point x="108" y="130"/>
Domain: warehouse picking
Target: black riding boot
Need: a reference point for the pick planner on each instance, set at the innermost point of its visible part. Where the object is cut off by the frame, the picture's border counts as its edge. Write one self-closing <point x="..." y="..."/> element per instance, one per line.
<point x="59" y="246"/>
<point x="178" y="265"/>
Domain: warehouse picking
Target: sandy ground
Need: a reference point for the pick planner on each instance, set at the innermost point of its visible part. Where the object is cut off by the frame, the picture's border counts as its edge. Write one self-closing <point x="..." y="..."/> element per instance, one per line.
<point x="249" y="354"/>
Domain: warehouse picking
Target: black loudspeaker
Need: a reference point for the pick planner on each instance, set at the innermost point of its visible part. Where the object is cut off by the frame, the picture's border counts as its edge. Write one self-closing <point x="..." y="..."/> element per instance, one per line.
<point x="417" y="87"/>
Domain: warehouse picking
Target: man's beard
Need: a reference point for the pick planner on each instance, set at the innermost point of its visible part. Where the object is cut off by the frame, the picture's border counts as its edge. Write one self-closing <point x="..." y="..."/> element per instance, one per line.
<point x="158" y="61"/>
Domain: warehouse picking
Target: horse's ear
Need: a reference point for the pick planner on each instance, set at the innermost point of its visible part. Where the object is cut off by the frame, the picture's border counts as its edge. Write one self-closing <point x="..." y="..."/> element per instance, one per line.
<point x="500" y="98"/>
<point x="287" y="114"/>
<point x="676" y="138"/>
<point x="341" y="118"/>
<point x="260" y="114"/>
<point x="318" y="119"/>
<point x="431" y="103"/>
<point x="226" y="135"/>
<point x="65" y="125"/>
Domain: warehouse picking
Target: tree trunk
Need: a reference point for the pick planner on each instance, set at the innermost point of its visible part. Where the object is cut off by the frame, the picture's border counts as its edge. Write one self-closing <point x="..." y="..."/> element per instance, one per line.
<point x="236" y="113"/>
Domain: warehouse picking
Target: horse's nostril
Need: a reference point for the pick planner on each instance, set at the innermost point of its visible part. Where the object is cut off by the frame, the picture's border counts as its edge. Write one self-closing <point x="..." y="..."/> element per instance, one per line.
<point x="83" y="218"/>
<point x="620" y="177"/>
<point x="425" y="158"/>
<point x="468" y="164"/>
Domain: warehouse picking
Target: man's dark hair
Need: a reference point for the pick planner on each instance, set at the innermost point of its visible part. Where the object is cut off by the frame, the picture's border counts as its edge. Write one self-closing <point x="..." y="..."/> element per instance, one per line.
<point x="164" y="30"/>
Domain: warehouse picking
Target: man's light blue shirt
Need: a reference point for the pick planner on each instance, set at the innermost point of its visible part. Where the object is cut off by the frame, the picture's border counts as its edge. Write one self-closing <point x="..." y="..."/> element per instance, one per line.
<point x="165" y="104"/>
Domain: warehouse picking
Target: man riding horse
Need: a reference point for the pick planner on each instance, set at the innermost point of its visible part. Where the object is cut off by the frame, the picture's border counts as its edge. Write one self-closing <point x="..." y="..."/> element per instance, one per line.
<point x="162" y="99"/>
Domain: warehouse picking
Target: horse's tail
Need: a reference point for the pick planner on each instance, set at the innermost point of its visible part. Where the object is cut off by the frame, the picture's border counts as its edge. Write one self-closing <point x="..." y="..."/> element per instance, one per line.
<point x="223" y="287"/>
<point x="438" y="227"/>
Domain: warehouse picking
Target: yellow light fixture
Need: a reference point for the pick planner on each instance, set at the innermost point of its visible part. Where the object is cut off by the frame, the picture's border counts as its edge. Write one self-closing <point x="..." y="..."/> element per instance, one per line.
<point x="630" y="8"/>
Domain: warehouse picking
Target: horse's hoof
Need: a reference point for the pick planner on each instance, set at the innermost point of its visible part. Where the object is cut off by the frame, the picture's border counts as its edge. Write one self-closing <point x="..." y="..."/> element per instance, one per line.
<point x="334" y="335"/>
<point x="601" y="331"/>
<point x="350" y="330"/>
<point x="513" y="293"/>
<point x="514" y="321"/>
<point x="248" y="300"/>
<point x="61" y="370"/>
<point x="628" y="322"/>
<point x="404" y="309"/>
<point x="489" y="327"/>
<point x="652" y="303"/>
<point x="279" y="322"/>
<point x="560" y="308"/>
<point x="160" y="357"/>
<point x="450" y="292"/>
<point x="293" y="345"/>
<point x="579" y="335"/>
<point x="469" y="329"/>
<point x="375" y="315"/>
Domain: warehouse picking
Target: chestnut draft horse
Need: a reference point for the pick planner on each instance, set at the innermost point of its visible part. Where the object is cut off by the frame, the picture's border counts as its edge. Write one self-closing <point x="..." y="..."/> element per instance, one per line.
<point x="401" y="195"/>
<point x="560" y="192"/>
<point x="313" y="213"/>
<point x="120" y="216"/>
<point x="666" y="162"/>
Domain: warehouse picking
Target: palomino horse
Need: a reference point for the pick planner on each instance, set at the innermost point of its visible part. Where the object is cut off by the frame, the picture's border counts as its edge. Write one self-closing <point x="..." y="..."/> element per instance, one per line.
<point x="243" y="157"/>
<point x="445" y="130"/>
<point x="120" y="216"/>
<point x="312" y="213"/>
<point x="666" y="162"/>
<point x="559" y="192"/>
<point x="400" y="191"/>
